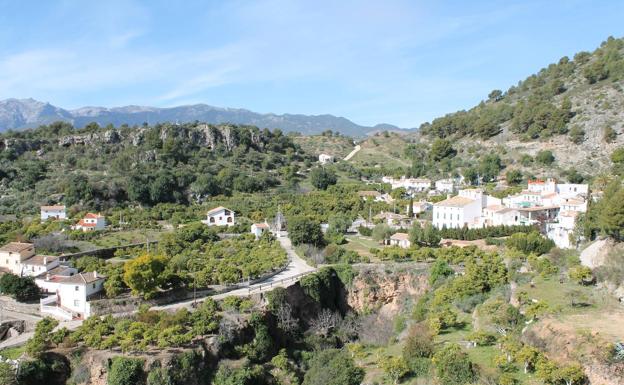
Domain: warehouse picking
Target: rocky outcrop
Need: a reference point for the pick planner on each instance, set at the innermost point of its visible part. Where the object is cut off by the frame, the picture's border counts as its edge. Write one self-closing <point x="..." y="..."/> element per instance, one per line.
<point x="377" y="288"/>
<point x="562" y="342"/>
<point x="107" y="137"/>
<point x="19" y="146"/>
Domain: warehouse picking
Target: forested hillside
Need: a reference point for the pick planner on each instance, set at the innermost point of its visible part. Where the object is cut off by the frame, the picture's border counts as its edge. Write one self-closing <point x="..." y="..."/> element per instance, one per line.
<point x="103" y="167"/>
<point x="562" y="98"/>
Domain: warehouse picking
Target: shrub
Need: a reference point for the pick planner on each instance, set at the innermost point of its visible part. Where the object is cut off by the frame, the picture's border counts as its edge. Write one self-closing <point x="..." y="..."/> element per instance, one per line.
<point x="333" y="367"/>
<point x="126" y="371"/>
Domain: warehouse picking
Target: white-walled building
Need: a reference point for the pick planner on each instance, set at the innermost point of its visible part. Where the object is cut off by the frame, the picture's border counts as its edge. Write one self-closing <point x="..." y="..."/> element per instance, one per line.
<point x="456" y="212"/>
<point x="219" y="216"/>
<point x="561" y="230"/>
<point x="325" y="159"/>
<point x="419" y="207"/>
<point x="401" y="240"/>
<point x="71" y="295"/>
<point x="39" y="264"/>
<point x="409" y="184"/>
<point x="48" y="281"/>
<point x="53" y="212"/>
<point x="20" y="259"/>
<point x="498" y="215"/>
<point x="258" y="229"/>
<point x="13" y="254"/>
<point x="445" y="185"/>
<point x="91" y="222"/>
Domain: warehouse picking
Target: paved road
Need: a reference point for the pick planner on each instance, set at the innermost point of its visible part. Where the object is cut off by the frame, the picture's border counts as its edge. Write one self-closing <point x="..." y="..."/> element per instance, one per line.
<point x="296" y="267"/>
<point x="352" y="153"/>
<point x="22" y="338"/>
<point x="285" y="278"/>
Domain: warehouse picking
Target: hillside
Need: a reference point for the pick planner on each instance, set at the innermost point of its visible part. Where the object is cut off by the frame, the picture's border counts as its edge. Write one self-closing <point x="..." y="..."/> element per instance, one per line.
<point x="25" y="113"/>
<point x="102" y="167"/>
<point x="575" y="108"/>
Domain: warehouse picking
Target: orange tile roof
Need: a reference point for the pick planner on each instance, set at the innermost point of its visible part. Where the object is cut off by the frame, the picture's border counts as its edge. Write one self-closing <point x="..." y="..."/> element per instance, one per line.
<point x="455" y="201"/>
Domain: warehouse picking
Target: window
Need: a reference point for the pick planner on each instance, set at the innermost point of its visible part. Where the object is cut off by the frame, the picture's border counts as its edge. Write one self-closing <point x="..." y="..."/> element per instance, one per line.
<point x="212" y="220"/>
<point x="229" y="219"/>
<point x="76" y="303"/>
<point x="76" y="288"/>
<point x="94" y="285"/>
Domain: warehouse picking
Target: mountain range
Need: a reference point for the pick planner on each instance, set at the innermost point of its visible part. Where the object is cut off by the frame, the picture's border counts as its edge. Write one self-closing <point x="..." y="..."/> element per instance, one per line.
<point x="28" y="113"/>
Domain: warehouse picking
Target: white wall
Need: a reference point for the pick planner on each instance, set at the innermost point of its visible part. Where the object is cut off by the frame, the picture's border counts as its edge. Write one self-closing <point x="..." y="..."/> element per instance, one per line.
<point x="55" y="214"/>
<point x="456" y="217"/>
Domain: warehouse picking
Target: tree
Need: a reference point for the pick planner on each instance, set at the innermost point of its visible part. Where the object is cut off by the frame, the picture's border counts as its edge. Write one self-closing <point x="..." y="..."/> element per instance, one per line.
<point x="545" y="157"/>
<point x="453" y="367"/>
<point x="617" y="157"/>
<point x="608" y="134"/>
<point x="441" y="149"/>
<point x="495" y="95"/>
<point x="144" y="274"/>
<point x="41" y="339"/>
<point x="439" y="269"/>
<point x="514" y="177"/>
<point x="527" y="356"/>
<point x="126" y="371"/>
<point x="382" y="232"/>
<point x="489" y="167"/>
<point x="23" y="289"/>
<point x="581" y="274"/>
<point x="303" y="230"/>
<point x="410" y="208"/>
<point x="322" y="178"/>
<point x="394" y="368"/>
<point x="418" y="348"/>
<point x="577" y="134"/>
<point x="333" y="367"/>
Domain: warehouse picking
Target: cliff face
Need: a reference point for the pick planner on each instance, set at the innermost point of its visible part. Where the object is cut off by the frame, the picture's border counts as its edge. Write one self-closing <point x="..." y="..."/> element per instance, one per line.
<point x="563" y="342"/>
<point x="378" y="289"/>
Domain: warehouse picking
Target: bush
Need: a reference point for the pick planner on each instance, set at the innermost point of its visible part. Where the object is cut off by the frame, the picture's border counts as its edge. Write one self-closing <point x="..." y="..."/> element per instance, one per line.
<point x="365" y="231"/>
<point x="453" y="367"/>
<point x="23" y="289"/>
<point x="545" y="157"/>
<point x="530" y="243"/>
<point x="126" y="371"/>
<point x="333" y="367"/>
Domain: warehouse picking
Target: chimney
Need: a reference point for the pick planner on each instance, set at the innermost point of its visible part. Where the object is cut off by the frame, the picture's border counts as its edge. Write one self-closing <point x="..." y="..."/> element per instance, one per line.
<point x="47" y="276"/>
<point x="45" y="261"/>
<point x="448" y="196"/>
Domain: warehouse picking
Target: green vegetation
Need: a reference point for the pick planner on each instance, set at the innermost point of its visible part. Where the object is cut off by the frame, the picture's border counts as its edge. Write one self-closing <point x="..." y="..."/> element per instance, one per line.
<point x="23" y="289"/>
<point x="539" y="106"/>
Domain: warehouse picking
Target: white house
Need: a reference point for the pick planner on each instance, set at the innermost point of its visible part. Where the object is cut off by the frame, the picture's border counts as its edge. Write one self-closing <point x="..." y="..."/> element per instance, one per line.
<point x="498" y="215"/>
<point x="13" y="254"/>
<point x="325" y="158"/>
<point x="409" y="184"/>
<point x="71" y="298"/>
<point x="39" y="264"/>
<point x="456" y="212"/>
<point x="53" y="212"/>
<point x="561" y="230"/>
<point x="219" y="216"/>
<point x="419" y="207"/>
<point x="401" y="240"/>
<point x="444" y="185"/>
<point x="48" y="281"/>
<point x="372" y="194"/>
<point x="91" y="222"/>
<point x="258" y="229"/>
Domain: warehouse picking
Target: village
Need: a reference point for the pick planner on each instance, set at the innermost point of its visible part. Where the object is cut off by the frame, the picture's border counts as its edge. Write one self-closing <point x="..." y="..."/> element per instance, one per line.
<point x="549" y="206"/>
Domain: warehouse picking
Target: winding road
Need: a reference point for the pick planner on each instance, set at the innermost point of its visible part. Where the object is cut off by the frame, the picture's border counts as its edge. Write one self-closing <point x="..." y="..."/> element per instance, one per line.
<point x="296" y="269"/>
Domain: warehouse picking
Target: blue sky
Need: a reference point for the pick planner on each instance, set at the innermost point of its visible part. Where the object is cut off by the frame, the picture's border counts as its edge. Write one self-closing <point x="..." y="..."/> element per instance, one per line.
<point x="399" y="62"/>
